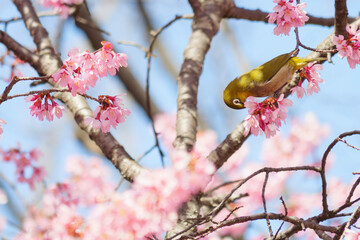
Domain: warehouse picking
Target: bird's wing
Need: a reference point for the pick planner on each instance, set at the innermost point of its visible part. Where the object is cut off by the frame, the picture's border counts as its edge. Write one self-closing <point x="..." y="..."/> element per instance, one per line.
<point x="269" y="69"/>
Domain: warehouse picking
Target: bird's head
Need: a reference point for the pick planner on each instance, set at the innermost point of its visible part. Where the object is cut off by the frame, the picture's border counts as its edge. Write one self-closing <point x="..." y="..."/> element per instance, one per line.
<point x="234" y="97"/>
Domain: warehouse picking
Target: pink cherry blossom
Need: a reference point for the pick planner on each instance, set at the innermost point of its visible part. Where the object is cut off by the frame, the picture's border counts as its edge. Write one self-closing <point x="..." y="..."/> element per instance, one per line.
<point x="63" y="76"/>
<point x="61" y="6"/>
<point x="349" y="48"/>
<point x="110" y="113"/>
<point x="41" y="107"/>
<point x="310" y="72"/>
<point x="265" y="117"/>
<point x="299" y="90"/>
<point x="251" y="124"/>
<point x="82" y="69"/>
<point x="286" y="16"/>
<point x="27" y="170"/>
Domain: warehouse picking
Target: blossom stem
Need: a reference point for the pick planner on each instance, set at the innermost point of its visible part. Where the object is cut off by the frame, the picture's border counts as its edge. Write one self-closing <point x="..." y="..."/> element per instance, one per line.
<point x="45" y="91"/>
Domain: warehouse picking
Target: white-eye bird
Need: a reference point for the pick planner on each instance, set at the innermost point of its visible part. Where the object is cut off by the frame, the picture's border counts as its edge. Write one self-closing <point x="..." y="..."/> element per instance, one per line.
<point x="264" y="80"/>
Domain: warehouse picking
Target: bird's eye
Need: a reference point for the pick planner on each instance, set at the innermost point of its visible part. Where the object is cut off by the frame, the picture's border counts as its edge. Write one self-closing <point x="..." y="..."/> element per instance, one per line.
<point x="237" y="101"/>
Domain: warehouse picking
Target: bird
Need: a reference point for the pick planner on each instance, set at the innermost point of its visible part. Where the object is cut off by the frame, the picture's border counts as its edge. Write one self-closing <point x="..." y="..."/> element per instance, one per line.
<point x="264" y="80"/>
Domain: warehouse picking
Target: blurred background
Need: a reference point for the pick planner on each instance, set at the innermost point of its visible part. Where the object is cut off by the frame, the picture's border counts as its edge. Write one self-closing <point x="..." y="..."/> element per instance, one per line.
<point x="239" y="46"/>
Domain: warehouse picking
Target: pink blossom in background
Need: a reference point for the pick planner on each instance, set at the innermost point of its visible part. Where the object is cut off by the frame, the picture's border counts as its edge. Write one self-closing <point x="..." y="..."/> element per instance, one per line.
<point x="27" y="170"/>
<point x="351" y="234"/>
<point x="149" y="207"/>
<point x="1" y="128"/>
<point x="232" y="165"/>
<point x="206" y="141"/>
<point x="82" y="69"/>
<point x="304" y="204"/>
<point x="304" y="138"/>
<point x="265" y="117"/>
<point x="61" y="6"/>
<point x="165" y="125"/>
<point x="311" y="133"/>
<point x="338" y="190"/>
<point x="41" y="108"/>
<point x="109" y="114"/>
<point x="349" y="48"/>
<point x="286" y="16"/>
<point x="88" y="182"/>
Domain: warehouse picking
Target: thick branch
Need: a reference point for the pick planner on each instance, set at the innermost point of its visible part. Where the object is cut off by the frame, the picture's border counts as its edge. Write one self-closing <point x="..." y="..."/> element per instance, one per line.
<point x="19" y="50"/>
<point x="39" y="34"/>
<point x="341" y="20"/>
<point x="206" y="22"/>
<point x="258" y="15"/>
<point x="49" y="63"/>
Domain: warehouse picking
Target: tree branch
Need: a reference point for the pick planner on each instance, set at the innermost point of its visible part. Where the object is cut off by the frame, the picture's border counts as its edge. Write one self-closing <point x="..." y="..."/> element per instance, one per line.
<point x="258" y="15"/>
<point x="208" y="15"/>
<point x="341" y="20"/>
<point x="49" y="63"/>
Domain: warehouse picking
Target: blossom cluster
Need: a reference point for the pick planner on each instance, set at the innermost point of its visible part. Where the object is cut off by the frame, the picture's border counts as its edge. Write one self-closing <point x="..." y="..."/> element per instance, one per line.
<point x="148" y="208"/>
<point x="44" y="106"/>
<point x="349" y="48"/>
<point x="61" y="6"/>
<point x="110" y="113"/>
<point x="81" y="70"/>
<point x="286" y="16"/>
<point x="265" y="116"/>
<point x="309" y="72"/>
<point x="27" y="171"/>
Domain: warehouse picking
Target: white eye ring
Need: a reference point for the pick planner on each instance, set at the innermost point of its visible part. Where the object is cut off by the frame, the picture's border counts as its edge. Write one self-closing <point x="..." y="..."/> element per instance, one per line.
<point x="237" y="101"/>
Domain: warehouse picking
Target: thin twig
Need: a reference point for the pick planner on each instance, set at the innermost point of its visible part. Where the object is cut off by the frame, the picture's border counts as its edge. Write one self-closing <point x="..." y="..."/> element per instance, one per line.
<point x="344" y="141"/>
<point x="135" y="44"/>
<point x="298" y="43"/>
<point x="51" y="90"/>
<point x="323" y="164"/>
<point x="286" y="213"/>
<point x="40" y="14"/>
<point x="147" y="89"/>
<point x="264" y="203"/>
<point x="265" y="169"/>
<point x="15" y="80"/>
